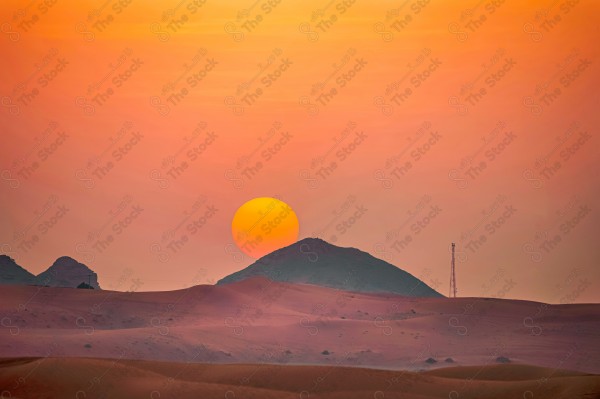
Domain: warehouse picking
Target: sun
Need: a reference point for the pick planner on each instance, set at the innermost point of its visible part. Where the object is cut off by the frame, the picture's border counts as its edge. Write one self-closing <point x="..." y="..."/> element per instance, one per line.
<point x="264" y="224"/>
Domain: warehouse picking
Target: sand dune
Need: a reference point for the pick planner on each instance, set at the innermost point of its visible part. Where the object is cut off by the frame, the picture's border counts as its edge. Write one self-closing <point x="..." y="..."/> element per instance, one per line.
<point x="119" y="378"/>
<point x="260" y="321"/>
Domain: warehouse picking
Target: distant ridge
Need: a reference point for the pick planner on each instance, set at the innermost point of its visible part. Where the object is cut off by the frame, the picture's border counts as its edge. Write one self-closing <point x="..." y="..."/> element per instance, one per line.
<point x="315" y="261"/>
<point x="11" y="273"/>
<point x="64" y="272"/>
<point x="67" y="272"/>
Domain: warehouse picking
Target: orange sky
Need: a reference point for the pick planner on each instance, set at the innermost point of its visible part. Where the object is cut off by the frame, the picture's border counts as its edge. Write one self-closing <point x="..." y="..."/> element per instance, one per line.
<point x="394" y="127"/>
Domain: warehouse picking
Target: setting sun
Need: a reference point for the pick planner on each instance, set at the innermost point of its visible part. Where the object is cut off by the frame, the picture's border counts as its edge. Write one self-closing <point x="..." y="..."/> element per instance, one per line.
<point x="264" y="224"/>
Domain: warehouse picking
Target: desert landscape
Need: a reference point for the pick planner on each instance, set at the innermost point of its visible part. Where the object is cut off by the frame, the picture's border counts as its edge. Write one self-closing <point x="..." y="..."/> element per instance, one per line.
<point x="258" y="320"/>
<point x="260" y="338"/>
<point x="308" y="199"/>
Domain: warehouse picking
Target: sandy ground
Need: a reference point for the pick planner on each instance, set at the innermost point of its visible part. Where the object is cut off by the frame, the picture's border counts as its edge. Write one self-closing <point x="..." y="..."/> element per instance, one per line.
<point x="118" y="378"/>
<point x="259" y="321"/>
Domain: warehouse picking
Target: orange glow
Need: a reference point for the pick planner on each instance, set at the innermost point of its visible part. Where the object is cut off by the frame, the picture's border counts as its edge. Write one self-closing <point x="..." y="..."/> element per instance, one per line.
<point x="178" y="112"/>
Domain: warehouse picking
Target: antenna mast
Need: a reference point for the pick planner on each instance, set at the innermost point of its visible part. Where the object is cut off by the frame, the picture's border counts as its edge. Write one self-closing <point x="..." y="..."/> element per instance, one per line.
<point x="452" y="276"/>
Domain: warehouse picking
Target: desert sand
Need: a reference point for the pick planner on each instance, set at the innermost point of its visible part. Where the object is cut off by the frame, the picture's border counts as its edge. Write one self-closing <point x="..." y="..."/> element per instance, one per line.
<point x="260" y="321"/>
<point x="263" y="339"/>
<point x="119" y="378"/>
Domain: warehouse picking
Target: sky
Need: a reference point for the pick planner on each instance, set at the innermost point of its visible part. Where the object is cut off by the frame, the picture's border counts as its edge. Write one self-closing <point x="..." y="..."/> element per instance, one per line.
<point x="134" y="130"/>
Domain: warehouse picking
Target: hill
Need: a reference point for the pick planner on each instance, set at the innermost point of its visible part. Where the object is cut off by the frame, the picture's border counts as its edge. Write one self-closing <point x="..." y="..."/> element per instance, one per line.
<point x="315" y="261"/>
<point x="11" y="273"/>
<point x="67" y="272"/>
<point x="64" y="272"/>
